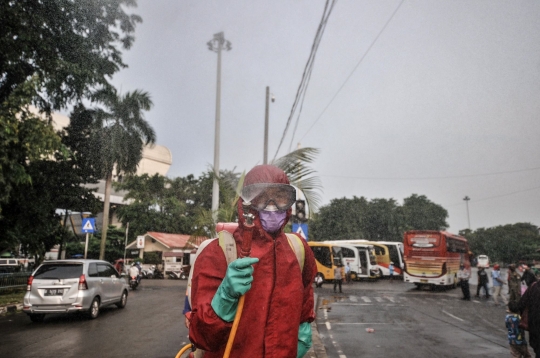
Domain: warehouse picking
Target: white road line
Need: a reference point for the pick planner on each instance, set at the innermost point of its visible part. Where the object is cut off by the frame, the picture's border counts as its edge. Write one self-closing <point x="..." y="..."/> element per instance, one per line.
<point x="326" y="314"/>
<point x="365" y="299"/>
<point x="353" y="299"/>
<point x="391" y="299"/>
<point x="328" y="326"/>
<point x="451" y="315"/>
<point x="378" y="299"/>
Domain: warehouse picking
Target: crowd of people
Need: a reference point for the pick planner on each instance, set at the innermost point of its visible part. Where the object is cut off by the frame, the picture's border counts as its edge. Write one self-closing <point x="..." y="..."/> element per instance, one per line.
<point x="523" y="302"/>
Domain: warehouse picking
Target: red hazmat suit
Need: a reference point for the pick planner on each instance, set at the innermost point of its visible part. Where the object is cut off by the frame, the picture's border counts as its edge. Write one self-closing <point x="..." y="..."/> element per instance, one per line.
<point x="280" y="298"/>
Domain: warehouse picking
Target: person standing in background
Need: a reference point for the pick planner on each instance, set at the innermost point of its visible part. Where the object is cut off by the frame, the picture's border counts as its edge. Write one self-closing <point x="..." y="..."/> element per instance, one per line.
<point x="338" y="277"/>
<point x="497" y="285"/>
<point x="514" y="284"/>
<point x="464" y="274"/>
<point x="482" y="282"/>
<point x="391" y="269"/>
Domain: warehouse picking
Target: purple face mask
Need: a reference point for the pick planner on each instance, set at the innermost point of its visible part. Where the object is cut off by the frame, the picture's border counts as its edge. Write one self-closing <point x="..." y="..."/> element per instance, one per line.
<point x="272" y="221"/>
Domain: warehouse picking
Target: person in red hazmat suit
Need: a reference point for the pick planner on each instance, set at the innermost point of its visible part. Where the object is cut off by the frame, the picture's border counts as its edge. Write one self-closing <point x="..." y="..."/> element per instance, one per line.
<point x="279" y="305"/>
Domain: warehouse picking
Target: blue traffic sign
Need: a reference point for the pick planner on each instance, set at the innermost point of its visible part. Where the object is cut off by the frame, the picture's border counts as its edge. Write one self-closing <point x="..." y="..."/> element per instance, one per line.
<point x="89" y="225"/>
<point x="301" y="229"/>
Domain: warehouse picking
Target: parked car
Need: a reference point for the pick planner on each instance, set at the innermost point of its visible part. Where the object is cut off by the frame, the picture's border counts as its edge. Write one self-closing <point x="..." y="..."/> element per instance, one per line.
<point x="483" y="261"/>
<point x="73" y="285"/>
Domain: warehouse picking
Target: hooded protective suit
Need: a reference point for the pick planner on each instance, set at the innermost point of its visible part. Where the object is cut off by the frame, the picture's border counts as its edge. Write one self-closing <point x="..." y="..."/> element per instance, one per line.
<point x="280" y="298"/>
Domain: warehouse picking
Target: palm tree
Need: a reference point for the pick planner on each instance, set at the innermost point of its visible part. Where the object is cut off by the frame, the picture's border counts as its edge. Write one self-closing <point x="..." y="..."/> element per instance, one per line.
<point x="294" y="164"/>
<point x="121" y="133"/>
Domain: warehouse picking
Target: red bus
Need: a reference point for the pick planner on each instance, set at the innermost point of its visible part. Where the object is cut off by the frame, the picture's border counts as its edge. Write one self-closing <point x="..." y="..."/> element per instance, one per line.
<point x="433" y="257"/>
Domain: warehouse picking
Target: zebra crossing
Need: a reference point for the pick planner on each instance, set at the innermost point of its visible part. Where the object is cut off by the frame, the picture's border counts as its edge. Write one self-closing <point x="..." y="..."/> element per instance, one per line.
<point x="388" y="299"/>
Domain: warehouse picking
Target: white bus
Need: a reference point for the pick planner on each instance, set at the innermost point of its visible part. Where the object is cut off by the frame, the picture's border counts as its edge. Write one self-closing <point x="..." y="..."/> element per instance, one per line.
<point x="395" y="251"/>
<point x="361" y="259"/>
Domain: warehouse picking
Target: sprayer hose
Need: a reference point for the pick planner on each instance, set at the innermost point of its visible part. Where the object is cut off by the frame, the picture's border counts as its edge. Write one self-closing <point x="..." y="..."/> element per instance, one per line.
<point x="234" y="327"/>
<point x="183" y="350"/>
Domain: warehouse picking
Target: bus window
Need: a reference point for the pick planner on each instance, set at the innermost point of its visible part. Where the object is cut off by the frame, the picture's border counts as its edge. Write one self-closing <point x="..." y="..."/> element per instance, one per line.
<point x="394" y="254"/>
<point x="372" y="258"/>
<point x="379" y="251"/>
<point x="347" y="252"/>
<point x="338" y="255"/>
<point x="322" y="254"/>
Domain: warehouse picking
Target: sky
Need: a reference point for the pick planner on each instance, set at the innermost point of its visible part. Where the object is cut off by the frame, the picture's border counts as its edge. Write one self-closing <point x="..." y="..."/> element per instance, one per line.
<point x="435" y="98"/>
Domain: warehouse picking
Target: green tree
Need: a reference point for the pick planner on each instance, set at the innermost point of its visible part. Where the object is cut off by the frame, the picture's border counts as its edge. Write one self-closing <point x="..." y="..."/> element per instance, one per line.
<point x="419" y="213"/>
<point x="115" y="245"/>
<point x="157" y="203"/>
<point x="69" y="47"/>
<point x="24" y="138"/>
<point x="342" y="219"/>
<point x="120" y="136"/>
<point x="505" y="244"/>
<point x="383" y="221"/>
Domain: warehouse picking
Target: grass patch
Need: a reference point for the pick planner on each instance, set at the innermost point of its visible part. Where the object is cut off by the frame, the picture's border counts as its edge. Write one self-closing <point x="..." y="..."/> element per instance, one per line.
<point x="11" y="297"/>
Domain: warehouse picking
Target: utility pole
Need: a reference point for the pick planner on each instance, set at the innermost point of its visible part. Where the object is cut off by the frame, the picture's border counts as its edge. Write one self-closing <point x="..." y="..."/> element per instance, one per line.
<point x="217" y="44"/>
<point x="466" y="198"/>
<point x="265" y="158"/>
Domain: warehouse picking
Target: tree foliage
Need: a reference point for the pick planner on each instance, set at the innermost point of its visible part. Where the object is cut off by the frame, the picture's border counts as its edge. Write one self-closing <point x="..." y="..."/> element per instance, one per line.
<point x="378" y="219"/>
<point x="69" y="47"/>
<point x="510" y="243"/>
<point x="114" y="248"/>
<point x="24" y="138"/>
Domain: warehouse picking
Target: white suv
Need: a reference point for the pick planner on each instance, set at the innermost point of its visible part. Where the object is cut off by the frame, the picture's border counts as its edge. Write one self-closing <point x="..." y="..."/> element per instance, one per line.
<point x="66" y="286"/>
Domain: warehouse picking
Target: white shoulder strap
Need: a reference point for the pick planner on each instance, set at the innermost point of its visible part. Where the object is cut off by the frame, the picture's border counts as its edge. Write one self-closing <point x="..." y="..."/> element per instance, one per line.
<point x="199" y="250"/>
<point x="298" y="247"/>
<point x="227" y="243"/>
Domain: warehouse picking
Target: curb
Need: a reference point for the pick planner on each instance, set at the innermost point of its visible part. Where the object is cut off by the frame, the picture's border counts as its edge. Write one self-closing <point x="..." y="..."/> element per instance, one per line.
<point x="317" y="349"/>
<point x="4" y="310"/>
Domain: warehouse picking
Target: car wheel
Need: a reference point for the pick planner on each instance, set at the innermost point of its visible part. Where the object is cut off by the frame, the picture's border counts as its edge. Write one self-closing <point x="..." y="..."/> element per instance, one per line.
<point x="37" y="317"/>
<point x="183" y="276"/>
<point x="123" y="300"/>
<point x="94" y="309"/>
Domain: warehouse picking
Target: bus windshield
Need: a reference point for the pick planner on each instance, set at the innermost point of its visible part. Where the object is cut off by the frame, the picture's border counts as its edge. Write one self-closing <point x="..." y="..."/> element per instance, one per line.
<point x="424" y="240"/>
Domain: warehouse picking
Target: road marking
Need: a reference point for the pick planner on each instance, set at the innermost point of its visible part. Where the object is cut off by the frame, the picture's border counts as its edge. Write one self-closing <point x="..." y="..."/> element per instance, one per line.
<point x="353" y="299"/>
<point x="391" y="299"/>
<point x="451" y="315"/>
<point x="328" y="326"/>
<point x="378" y="299"/>
<point x="365" y="299"/>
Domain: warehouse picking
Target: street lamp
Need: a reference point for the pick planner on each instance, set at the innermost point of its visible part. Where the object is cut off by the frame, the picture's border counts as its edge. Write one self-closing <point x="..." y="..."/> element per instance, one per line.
<point x="217" y="44"/>
<point x="466" y="198"/>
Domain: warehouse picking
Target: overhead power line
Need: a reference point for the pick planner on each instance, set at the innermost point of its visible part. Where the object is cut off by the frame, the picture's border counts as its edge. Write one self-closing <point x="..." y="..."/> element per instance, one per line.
<point x="306" y="76"/>
<point x="354" y="69"/>
<point x="435" y="177"/>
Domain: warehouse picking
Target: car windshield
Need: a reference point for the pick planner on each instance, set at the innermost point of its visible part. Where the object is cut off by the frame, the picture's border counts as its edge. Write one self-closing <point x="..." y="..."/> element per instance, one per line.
<point x="59" y="271"/>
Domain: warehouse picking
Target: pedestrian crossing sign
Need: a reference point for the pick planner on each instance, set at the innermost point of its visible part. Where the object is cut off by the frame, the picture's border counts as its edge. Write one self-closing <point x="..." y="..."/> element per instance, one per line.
<point x="301" y="229"/>
<point x="88" y="225"/>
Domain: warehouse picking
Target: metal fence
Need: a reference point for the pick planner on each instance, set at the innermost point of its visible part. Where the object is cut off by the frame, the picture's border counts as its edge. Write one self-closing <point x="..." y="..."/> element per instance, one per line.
<point x="13" y="280"/>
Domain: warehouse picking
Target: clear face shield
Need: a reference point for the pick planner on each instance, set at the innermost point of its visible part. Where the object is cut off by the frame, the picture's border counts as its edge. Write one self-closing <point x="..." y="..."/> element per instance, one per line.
<point x="269" y="197"/>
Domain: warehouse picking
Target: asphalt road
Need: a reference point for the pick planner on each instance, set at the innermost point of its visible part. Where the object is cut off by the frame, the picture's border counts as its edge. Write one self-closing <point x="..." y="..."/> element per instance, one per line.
<point x="151" y="325"/>
<point x="408" y="322"/>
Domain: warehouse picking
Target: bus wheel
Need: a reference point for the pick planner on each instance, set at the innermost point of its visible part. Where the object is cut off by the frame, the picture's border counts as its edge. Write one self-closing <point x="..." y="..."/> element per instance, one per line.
<point x="354" y="277"/>
<point x="418" y="285"/>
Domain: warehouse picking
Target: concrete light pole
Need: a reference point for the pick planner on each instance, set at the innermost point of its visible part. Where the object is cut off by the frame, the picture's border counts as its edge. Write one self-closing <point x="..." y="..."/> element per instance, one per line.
<point x="217" y="44"/>
<point x="466" y="198"/>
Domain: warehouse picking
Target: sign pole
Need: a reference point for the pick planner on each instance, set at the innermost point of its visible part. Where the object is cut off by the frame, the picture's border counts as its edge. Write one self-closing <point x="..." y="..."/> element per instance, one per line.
<point x="86" y="246"/>
<point x="125" y="243"/>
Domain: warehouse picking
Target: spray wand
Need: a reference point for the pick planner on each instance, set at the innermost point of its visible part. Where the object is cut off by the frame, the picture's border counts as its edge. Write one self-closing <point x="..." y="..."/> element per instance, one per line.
<point x="245" y="251"/>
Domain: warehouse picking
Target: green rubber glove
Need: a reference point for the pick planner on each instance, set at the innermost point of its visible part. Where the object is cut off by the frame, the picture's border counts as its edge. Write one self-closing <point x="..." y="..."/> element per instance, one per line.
<point x="304" y="339"/>
<point x="237" y="281"/>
